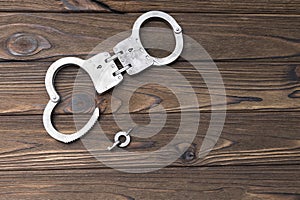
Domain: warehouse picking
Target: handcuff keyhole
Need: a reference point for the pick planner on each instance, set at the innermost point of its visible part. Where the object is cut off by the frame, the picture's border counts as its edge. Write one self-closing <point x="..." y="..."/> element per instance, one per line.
<point x="122" y="139"/>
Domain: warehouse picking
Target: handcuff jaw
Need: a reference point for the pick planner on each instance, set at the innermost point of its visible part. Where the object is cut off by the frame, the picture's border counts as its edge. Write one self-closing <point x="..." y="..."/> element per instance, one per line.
<point x="132" y="53"/>
<point x="66" y="138"/>
<point x="100" y="70"/>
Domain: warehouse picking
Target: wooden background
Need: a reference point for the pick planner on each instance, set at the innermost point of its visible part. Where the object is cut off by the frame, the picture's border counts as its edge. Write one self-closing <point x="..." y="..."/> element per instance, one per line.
<point x="255" y="44"/>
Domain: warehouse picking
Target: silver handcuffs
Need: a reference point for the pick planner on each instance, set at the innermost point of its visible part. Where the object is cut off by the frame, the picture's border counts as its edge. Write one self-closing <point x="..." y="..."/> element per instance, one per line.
<point x="105" y="74"/>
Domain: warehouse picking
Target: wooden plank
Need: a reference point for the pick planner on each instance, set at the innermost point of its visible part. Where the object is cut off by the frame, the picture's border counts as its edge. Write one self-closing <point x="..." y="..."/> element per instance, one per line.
<point x="246" y="139"/>
<point x="249" y="86"/>
<point x="119" y="6"/>
<point x="276" y="182"/>
<point x="243" y="37"/>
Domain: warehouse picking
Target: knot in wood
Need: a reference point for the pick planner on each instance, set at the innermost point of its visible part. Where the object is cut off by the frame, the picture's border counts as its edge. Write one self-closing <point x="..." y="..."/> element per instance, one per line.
<point x="80" y="103"/>
<point x="189" y="155"/>
<point x="22" y="44"/>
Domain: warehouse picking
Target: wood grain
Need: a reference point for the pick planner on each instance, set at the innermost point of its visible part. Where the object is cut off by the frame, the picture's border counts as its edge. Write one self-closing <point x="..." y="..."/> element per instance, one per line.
<point x="256" y="47"/>
<point x="249" y="183"/>
<point x="249" y="86"/>
<point x="247" y="139"/>
<point x="243" y="37"/>
<point x="119" y="6"/>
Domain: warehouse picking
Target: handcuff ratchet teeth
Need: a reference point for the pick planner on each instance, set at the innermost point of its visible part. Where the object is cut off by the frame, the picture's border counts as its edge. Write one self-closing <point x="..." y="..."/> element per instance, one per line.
<point x="104" y="72"/>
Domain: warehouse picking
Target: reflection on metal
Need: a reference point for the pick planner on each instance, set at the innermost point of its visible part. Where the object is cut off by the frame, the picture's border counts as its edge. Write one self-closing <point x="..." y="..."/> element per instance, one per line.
<point x="105" y="74"/>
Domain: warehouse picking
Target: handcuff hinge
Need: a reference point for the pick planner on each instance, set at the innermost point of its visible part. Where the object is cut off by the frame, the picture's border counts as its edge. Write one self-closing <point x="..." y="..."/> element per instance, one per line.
<point x="113" y="57"/>
<point x="122" y="70"/>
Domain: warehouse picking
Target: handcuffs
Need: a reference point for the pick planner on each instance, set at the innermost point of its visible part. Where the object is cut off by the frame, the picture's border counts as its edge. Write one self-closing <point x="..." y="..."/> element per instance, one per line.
<point x="105" y="74"/>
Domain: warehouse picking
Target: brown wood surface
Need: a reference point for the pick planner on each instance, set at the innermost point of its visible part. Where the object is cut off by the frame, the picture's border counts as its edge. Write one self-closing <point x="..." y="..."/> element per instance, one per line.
<point x="272" y="182"/>
<point x="256" y="47"/>
<point x="40" y="36"/>
<point x="276" y="88"/>
<point x="120" y="6"/>
<point x="247" y="139"/>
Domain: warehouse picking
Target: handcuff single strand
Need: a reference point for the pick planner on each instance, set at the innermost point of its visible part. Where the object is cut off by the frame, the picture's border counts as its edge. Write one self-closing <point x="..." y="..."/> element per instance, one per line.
<point x="105" y="74"/>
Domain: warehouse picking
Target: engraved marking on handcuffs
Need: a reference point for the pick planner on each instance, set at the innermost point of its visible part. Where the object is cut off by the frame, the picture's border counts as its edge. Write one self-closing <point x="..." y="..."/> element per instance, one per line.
<point x="105" y="74"/>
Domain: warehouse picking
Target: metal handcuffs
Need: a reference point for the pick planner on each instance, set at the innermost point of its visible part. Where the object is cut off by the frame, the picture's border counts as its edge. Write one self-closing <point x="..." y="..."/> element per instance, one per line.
<point x="105" y="74"/>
